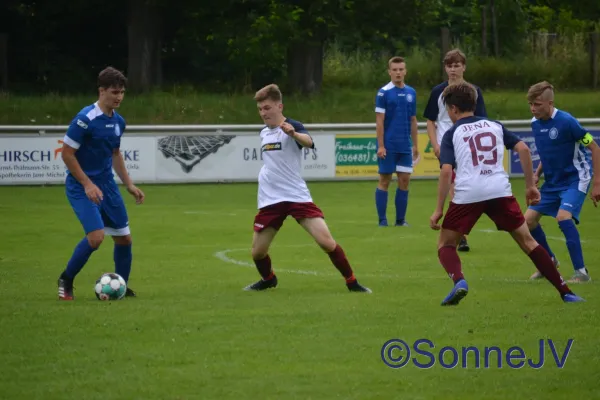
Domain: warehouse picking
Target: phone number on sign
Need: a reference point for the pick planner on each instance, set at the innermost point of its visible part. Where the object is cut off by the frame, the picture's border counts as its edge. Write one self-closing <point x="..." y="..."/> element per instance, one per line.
<point x="365" y="158"/>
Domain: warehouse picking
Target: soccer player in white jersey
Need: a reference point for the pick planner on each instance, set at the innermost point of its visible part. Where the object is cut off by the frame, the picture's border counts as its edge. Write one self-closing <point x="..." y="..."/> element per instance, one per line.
<point x="282" y="192"/>
<point x="570" y="161"/>
<point x="474" y="148"/>
<point x="438" y="121"/>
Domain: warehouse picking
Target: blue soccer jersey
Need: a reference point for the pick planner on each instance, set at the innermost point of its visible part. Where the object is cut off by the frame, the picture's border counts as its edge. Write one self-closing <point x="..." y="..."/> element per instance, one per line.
<point x="565" y="162"/>
<point x="95" y="135"/>
<point x="399" y="106"/>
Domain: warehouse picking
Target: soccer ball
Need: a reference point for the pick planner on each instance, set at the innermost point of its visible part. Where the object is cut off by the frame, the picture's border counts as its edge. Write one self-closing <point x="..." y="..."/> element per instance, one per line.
<point x="110" y="286"/>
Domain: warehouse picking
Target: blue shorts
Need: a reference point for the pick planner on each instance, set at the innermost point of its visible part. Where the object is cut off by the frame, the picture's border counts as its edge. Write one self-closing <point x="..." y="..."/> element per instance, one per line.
<point x="570" y="200"/>
<point x="109" y="215"/>
<point x="396" y="162"/>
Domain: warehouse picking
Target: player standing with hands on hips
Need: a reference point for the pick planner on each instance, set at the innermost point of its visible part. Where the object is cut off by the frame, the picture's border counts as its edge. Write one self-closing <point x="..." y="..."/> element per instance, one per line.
<point x="91" y="150"/>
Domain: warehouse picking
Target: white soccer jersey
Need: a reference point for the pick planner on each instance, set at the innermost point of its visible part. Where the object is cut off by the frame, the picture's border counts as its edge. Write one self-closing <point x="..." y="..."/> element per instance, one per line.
<point x="474" y="146"/>
<point x="435" y="110"/>
<point x="279" y="179"/>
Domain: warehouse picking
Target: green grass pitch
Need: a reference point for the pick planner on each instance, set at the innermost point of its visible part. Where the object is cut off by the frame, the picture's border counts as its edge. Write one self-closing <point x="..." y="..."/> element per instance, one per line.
<point x="192" y="333"/>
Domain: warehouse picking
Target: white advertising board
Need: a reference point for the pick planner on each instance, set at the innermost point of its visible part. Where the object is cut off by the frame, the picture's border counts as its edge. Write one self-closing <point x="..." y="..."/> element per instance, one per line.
<point x="231" y="158"/>
<point x="37" y="160"/>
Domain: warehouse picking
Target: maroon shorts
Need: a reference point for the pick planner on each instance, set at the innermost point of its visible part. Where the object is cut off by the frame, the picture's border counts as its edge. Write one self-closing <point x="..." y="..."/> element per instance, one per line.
<point x="274" y="215"/>
<point x="504" y="211"/>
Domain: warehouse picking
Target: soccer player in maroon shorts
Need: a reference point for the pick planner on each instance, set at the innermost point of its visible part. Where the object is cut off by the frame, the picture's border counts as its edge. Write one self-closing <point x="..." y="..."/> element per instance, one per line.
<point x="474" y="148"/>
<point x="282" y="192"/>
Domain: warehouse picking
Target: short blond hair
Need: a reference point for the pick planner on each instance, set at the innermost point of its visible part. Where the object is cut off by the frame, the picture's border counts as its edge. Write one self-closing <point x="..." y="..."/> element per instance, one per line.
<point x="395" y="60"/>
<point x="543" y="88"/>
<point x="269" y="92"/>
<point x="455" y="56"/>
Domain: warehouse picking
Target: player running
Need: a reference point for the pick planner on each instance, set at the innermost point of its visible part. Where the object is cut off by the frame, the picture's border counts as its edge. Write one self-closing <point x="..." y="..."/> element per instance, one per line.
<point x="438" y="121"/>
<point x="91" y="150"/>
<point x="568" y="172"/>
<point x="474" y="147"/>
<point x="282" y="192"/>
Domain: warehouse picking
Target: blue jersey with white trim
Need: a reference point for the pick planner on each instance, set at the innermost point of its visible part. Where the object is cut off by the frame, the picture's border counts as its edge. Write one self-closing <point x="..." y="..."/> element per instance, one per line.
<point x="95" y="135"/>
<point x="565" y="162"/>
<point x="399" y="106"/>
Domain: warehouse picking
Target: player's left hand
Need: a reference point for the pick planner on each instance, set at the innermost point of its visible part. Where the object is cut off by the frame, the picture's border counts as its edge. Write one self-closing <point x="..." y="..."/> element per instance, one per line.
<point x="434" y="221"/>
<point x="288" y="129"/>
<point x="415" y="154"/>
<point x="595" y="195"/>
<point x="532" y="196"/>
<point x="136" y="193"/>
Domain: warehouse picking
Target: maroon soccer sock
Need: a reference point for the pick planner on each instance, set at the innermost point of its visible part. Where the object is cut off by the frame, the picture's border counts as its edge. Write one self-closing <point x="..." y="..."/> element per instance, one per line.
<point x="545" y="265"/>
<point x="264" y="268"/>
<point x="451" y="262"/>
<point x="339" y="259"/>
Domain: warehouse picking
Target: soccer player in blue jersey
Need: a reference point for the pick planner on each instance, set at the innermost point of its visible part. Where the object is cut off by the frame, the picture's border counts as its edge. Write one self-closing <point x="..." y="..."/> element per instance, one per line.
<point x="564" y="147"/>
<point x="90" y="151"/>
<point x="438" y="121"/>
<point x="397" y="145"/>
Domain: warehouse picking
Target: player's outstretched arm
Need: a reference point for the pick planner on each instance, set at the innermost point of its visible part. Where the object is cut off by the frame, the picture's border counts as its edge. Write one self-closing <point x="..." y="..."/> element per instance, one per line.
<point x="532" y="195"/>
<point x="118" y="164"/>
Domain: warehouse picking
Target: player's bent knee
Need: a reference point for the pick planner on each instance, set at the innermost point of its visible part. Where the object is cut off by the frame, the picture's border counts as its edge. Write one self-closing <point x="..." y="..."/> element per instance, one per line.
<point x="328" y="245"/>
<point x="563" y="216"/>
<point x="258" y="253"/>
<point x="532" y="219"/>
<point x="95" y="238"/>
<point x="123" y="240"/>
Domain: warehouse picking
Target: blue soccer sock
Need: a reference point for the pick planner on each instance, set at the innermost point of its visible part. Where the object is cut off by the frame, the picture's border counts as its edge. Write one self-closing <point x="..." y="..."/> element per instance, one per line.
<point x="401" y="205"/>
<point x="381" y="199"/>
<point x="573" y="242"/>
<point x="80" y="256"/>
<point x="123" y="258"/>
<point x="540" y="237"/>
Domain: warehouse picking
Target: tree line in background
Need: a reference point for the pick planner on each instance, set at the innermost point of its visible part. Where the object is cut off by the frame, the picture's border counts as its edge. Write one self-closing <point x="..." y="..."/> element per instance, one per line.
<point x="233" y="45"/>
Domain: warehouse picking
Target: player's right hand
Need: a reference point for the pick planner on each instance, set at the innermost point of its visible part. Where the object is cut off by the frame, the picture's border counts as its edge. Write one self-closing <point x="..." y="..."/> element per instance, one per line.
<point x="93" y="193"/>
<point x="381" y="153"/>
<point x="536" y="179"/>
<point x="436" y="151"/>
<point x="532" y="196"/>
<point x="434" y="221"/>
<point x="595" y="194"/>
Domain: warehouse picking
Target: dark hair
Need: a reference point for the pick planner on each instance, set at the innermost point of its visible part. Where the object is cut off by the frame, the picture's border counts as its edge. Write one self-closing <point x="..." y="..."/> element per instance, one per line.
<point x="111" y="77"/>
<point x="463" y="95"/>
